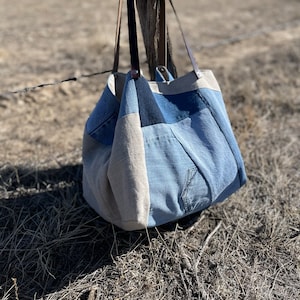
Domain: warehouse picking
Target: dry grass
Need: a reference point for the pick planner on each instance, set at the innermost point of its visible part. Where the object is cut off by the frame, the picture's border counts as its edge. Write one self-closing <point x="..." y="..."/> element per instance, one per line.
<point x="53" y="246"/>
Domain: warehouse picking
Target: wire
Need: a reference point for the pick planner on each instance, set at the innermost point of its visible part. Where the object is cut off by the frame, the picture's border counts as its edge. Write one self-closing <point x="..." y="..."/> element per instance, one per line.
<point x="42" y="85"/>
<point x="221" y="42"/>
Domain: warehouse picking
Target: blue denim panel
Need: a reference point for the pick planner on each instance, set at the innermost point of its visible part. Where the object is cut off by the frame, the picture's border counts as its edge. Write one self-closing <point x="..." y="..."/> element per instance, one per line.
<point x="230" y="189"/>
<point x="204" y="142"/>
<point x="150" y="113"/>
<point x="216" y="105"/>
<point x="129" y="101"/>
<point x="102" y="121"/>
<point x="176" y="186"/>
<point x="157" y="108"/>
<point x="178" y="107"/>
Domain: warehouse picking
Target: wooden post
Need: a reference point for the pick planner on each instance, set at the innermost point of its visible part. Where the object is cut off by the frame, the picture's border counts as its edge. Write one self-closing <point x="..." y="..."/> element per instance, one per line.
<point x="149" y="14"/>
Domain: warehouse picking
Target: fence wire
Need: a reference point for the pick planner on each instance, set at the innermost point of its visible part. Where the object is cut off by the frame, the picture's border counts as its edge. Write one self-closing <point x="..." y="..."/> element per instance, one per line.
<point x="58" y="82"/>
<point x="221" y="42"/>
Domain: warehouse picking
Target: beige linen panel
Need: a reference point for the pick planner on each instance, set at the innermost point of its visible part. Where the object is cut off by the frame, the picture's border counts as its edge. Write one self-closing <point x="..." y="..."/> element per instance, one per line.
<point x="115" y="178"/>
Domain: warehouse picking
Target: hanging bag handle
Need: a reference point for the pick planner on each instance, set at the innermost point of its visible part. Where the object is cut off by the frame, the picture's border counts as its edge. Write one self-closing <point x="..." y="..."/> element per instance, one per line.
<point x="117" y="38"/>
<point x="133" y="43"/>
<point x="135" y="66"/>
<point x="187" y="46"/>
<point x="134" y="56"/>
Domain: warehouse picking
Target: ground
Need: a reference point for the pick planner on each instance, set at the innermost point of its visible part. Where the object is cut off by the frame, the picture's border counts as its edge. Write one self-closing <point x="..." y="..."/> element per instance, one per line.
<point x="53" y="246"/>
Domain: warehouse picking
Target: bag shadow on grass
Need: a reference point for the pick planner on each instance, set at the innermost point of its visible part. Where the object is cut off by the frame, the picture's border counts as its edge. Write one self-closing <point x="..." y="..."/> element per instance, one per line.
<point x="49" y="236"/>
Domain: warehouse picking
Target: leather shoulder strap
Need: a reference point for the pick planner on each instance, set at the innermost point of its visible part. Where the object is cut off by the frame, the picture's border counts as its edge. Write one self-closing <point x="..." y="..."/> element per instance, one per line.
<point x="162" y="40"/>
<point x="162" y="43"/>
<point x="188" y="48"/>
<point x="117" y="38"/>
<point x="133" y="44"/>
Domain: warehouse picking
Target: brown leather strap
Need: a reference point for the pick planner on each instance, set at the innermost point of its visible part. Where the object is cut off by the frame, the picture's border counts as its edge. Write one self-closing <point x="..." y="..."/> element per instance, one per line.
<point x="133" y="44"/>
<point x="117" y="38"/>
<point x="135" y="66"/>
<point x="162" y="40"/>
<point x="188" y="49"/>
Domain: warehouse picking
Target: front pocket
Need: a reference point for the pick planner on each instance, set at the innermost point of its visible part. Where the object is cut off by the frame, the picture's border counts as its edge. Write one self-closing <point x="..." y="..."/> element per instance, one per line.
<point x="205" y="144"/>
<point x="102" y="121"/>
<point x="176" y="186"/>
<point x="104" y="132"/>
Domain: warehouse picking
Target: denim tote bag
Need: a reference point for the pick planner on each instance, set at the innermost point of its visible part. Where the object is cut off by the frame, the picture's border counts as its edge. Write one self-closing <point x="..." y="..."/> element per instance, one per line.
<point x="156" y="151"/>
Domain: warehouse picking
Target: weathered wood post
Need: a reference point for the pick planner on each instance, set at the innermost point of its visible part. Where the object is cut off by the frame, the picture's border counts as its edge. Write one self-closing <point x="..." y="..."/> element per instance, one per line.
<point x="152" y="17"/>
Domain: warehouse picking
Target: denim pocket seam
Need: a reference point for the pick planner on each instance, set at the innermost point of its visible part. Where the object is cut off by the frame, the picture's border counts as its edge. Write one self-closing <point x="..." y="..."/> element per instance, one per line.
<point x="196" y="167"/>
<point x="103" y="124"/>
<point x="192" y="173"/>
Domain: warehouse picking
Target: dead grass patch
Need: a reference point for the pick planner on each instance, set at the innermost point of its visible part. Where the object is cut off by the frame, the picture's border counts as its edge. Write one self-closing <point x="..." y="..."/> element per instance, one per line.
<point x="53" y="246"/>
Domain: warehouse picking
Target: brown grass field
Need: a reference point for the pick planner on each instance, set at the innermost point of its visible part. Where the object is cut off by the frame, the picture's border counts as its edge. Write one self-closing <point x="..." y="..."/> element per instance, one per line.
<point x="53" y="246"/>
